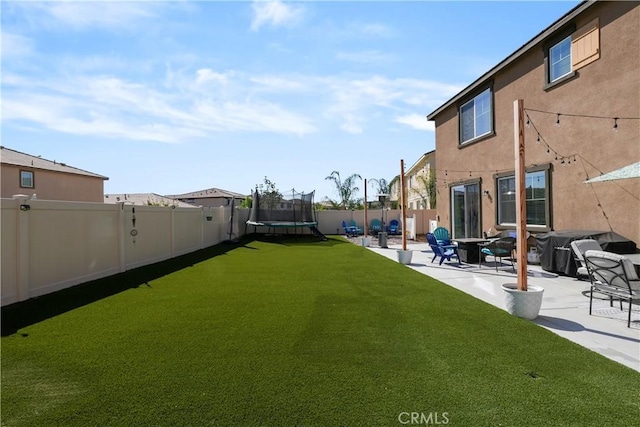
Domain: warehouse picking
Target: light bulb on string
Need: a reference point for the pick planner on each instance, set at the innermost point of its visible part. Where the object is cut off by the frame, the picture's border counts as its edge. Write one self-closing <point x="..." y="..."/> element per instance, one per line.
<point x="538" y="140"/>
<point x="615" y="124"/>
<point x="558" y="119"/>
<point x="562" y="161"/>
<point x="528" y="122"/>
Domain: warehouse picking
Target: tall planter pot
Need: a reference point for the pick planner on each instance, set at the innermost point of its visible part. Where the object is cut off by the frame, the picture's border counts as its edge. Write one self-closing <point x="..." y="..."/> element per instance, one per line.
<point x="404" y="257"/>
<point x="525" y="304"/>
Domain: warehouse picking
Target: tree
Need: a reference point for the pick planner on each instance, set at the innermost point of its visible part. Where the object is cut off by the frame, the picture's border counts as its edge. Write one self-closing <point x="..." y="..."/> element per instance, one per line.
<point x="426" y="189"/>
<point x="269" y="193"/>
<point x="246" y="203"/>
<point x="346" y="189"/>
<point x="382" y="186"/>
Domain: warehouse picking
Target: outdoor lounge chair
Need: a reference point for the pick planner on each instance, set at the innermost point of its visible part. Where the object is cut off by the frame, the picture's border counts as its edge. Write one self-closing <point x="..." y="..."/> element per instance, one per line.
<point x="393" y="227"/>
<point x="579" y="248"/>
<point x="612" y="275"/>
<point x="499" y="249"/>
<point x="375" y="227"/>
<point x="349" y="230"/>
<point x="445" y="252"/>
<point x="442" y="235"/>
<point x="353" y="224"/>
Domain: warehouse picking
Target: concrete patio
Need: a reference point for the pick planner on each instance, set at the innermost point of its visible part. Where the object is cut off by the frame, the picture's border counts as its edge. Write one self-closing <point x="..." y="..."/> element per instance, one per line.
<point x="565" y="310"/>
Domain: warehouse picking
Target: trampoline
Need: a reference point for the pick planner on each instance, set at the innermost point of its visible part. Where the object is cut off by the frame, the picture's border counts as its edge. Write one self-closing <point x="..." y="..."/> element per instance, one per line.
<point x="294" y="211"/>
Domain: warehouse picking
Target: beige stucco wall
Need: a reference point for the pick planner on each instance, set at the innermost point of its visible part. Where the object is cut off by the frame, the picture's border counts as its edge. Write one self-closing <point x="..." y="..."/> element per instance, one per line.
<point x="51" y="185"/>
<point x="608" y="87"/>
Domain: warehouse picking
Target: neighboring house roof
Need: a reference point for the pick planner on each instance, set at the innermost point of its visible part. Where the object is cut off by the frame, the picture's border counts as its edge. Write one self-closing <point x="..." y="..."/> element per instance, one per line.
<point x="210" y="193"/>
<point x="517" y="54"/>
<point x="17" y="158"/>
<point x="145" y="199"/>
<point x="420" y="162"/>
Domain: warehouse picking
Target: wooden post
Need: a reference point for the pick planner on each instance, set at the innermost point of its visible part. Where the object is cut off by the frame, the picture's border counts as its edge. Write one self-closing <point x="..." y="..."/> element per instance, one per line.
<point x="366" y="218"/>
<point x="521" y="195"/>
<point x="403" y="200"/>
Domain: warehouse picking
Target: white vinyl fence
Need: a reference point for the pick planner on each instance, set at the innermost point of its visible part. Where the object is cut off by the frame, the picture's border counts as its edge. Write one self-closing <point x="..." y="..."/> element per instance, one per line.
<point x="52" y="245"/>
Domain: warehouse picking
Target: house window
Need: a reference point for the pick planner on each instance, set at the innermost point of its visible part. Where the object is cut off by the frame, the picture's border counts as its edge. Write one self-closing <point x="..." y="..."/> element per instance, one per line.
<point x="26" y="179"/>
<point x="560" y="60"/>
<point x="537" y="199"/>
<point x="476" y="117"/>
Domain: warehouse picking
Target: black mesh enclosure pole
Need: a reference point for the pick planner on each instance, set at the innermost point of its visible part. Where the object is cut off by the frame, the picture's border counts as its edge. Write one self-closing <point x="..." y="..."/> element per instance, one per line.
<point x="254" y="216"/>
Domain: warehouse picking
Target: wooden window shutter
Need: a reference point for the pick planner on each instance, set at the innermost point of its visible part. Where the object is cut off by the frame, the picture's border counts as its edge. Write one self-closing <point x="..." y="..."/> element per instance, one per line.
<point x="585" y="45"/>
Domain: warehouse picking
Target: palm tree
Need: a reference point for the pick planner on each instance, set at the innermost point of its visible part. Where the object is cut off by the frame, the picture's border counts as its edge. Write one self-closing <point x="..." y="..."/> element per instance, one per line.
<point x="346" y="189"/>
<point x="427" y="189"/>
<point x="382" y="186"/>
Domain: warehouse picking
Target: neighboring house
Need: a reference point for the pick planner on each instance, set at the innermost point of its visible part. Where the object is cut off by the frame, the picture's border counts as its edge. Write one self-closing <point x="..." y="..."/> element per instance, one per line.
<point x="48" y="179"/>
<point x="575" y="78"/>
<point x="145" y="199"/>
<point x="416" y="179"/>
<point x="212" y="197"/>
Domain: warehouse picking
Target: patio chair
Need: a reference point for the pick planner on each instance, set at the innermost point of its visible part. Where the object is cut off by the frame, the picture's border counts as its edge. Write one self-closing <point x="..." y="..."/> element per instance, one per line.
<point x="445" y="252"/>
<point x="442" y="235"/>
<point x="612" y="275"/>
<point x="393" y="227"/>
<point x="375" y="227"/>
<point x="579" y="248"/>
<point x="349" y="230"/>
<point x="353" y="224"/>
<point x="499" y="249"/>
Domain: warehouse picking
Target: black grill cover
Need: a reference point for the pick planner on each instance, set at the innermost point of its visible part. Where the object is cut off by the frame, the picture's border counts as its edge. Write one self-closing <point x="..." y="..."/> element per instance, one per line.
<point x="556" y="254"/>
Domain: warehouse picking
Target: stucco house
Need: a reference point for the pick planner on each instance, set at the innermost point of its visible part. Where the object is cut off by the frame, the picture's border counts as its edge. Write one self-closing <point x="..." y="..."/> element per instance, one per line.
<point x="416" y="180"/>
<point x="48" y="179"/>
<point x="211" y="197"/>
<point x="144" y="199"/>
<point x="579" y="80"/>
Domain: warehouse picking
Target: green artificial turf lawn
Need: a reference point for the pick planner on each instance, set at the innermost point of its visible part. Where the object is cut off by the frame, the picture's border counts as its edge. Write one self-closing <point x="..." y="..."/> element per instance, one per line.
<point x="294" y="332"/>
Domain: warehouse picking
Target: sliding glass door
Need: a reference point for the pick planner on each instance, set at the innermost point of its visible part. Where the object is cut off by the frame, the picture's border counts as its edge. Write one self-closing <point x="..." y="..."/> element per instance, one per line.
<point x="465" y="210"/>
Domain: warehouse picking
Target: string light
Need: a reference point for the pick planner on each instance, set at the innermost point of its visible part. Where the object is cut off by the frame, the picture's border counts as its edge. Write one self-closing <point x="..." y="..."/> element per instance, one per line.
<point x="615" y="124"/>
<point x="558" y="119"/>
<point x="538" y="140"/>
<point x="528" y="121"/>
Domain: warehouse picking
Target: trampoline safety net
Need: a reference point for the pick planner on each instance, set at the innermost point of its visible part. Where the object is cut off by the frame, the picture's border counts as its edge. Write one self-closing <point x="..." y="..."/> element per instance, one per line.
<point x="294" y="211"/>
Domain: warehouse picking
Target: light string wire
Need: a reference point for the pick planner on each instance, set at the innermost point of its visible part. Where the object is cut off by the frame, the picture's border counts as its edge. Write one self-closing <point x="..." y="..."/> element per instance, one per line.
<point x="445" y="180"/>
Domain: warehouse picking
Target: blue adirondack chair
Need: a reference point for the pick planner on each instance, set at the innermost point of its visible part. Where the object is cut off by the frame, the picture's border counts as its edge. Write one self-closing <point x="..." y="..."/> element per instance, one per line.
<point x="445" y="252"/>
<point x="442" y="235"/>
<point x="375" y="227"/>
<point x="353" y="224"/>
<point x="349" y="230"/>
<point x="394" y="227"/>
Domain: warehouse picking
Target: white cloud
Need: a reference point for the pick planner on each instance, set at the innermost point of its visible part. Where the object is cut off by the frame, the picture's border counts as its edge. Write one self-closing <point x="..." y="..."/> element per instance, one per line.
<point x="416" y="121"/>
<point x="206" y="75"/>
<point x="15" y="45"/>
<point x="275" y="13"/>
<point x="87" y="14"/>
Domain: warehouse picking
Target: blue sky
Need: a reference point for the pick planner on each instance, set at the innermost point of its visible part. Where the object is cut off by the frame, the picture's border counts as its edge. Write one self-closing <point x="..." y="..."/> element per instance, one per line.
<point x="173" y="97"/>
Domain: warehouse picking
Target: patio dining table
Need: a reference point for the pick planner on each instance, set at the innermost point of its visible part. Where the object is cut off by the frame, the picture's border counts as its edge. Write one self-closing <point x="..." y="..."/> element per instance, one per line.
<point x="469" y="249"/>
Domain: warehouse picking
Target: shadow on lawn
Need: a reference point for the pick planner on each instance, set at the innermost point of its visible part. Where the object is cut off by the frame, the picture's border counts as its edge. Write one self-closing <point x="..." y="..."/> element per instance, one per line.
<point x="34" y="310"/>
